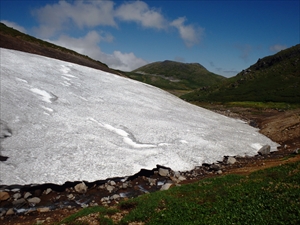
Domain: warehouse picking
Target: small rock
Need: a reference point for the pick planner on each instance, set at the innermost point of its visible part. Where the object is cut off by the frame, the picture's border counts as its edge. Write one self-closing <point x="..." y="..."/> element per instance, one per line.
<point x="104" y="199"/>
<point x="44" y="209"/>
<point x="152" y="181"/>
<point x="181" y="178"/>
<point x="265" y="150"/>
<point x="47" y="191"/>
<point x="115" y="197"/>
<point x="166" y="186"/>
<point x="231" y="160"/>
<point x="219" y="172"/>
<point x="10" y="212"/>
<point x="17" y="196"/>
<point x="176" y="173"/>
<point x="20" y="201"/>
<point x="112" y="183"/>
<point x="4" y="196"/>
<point x="163" y="172"/>
<point x="70" y="196"/>
<point x="296" y="151"/>
<point x="125" y="185"/>
<point x="81" y="188"/>
<point x="214" y="167"/>
<point x="110" y="188"/>
<point x="27" y="194"/>
<point x="34" y="200"/>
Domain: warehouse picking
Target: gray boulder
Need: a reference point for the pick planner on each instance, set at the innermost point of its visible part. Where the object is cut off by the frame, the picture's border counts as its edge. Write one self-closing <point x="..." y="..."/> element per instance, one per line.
<point x="163" y="172"/>
<point x="265" y="150"/>
<point x="231" y="160"/>
<point x="81" y="188"/>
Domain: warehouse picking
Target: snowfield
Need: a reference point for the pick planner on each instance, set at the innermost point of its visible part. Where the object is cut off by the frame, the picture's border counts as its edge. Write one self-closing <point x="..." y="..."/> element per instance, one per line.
<point x="71" y="122"/>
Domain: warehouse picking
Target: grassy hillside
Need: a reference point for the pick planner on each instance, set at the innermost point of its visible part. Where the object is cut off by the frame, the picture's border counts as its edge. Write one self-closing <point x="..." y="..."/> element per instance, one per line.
<point x="274" y="78"/>
<point x="170" y="75"/>
<point x="16" y="40"/>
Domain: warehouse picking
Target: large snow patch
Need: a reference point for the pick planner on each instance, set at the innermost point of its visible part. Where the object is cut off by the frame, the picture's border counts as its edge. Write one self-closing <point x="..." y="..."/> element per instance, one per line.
<point x="71" y="122"/>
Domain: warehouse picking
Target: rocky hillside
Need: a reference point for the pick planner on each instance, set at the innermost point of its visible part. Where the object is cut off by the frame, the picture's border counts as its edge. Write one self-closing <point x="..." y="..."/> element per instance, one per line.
<point x="13" y="39"/>
<point x="274" y="78"/>
<point x="171" y="75"/>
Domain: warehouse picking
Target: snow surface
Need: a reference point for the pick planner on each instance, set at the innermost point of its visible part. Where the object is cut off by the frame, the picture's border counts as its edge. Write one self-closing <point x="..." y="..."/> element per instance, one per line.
<point x="71" y="122"/>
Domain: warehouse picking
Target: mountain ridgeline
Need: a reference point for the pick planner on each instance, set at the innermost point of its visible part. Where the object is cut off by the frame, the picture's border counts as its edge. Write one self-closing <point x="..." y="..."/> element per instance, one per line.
<point x="16" y="40"/>
<point x="274" y="78"/>
<point x="175" y="76"/>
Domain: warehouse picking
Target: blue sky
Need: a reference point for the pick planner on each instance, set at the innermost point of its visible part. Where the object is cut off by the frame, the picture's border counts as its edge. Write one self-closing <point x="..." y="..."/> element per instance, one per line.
<point x="223" y="36"/>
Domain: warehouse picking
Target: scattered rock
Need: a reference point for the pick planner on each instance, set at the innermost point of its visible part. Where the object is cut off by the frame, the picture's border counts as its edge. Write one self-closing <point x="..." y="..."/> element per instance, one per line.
<point x="125" y="185"/>
<point x="296" y="151"/>
<point x="152" y="181"/>
<point x="166" y="186"/>
<point x="47" y="191"/>
<point x="27" y="194"/>
<point x="231" y="160"/>
<point x="110" y="188"/>
<point x="215" y="167"/>
<point x="265" y="150"/>
<point x="4" y="196"/>
<point x="81" y="188"/>
<point x="10" y="212"/>
<point x="19" y="202"/>
<point x="17" y="196"/>
<point x="44" y="209"/>
<point x="34" y="200"/>
<point x="112" y="183"/>
<point x="163" y="172"/>
<point x="70" y="196"/>
<point x="219" y="172"/>
<point x="115" y="197"/>
<point x="181" y="178"/>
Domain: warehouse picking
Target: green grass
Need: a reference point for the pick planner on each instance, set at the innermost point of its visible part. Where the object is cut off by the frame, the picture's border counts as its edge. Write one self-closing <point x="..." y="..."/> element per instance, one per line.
<point x="71" y="220"/>
<point x="264" y="105"/>
<point x="270" y="196"/>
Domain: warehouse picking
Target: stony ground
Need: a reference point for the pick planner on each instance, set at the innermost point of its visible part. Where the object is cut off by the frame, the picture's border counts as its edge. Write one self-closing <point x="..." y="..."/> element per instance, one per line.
<point x="281" y="126"/>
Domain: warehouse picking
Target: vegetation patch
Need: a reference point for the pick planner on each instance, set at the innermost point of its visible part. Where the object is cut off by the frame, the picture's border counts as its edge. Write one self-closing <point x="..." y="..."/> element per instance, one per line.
<point x="269" y="196"/>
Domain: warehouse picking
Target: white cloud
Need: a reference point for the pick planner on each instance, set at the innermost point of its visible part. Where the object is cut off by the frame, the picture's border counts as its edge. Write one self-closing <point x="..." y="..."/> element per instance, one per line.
<point x="54" y="18"/>
<point x="14" y="25"/>
<point x="58" y="20"/>
<point x="127" y="61"/>
<point x="64" y="15"/>
<point x="190" y="34"/>
<point x="140" y="12"/>
<point x="89" y="45"/>
<point x="277" y="47"/>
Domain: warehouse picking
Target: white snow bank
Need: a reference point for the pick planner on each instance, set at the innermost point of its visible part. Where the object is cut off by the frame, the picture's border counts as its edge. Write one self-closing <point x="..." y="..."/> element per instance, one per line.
<point x="101" y="125"/>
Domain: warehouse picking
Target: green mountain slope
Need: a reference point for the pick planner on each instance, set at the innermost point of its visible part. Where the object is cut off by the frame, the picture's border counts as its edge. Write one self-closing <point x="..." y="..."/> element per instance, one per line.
<point x="275" y="78"/>
<point x="16" y="40"/>
<point x="170" y="75"/>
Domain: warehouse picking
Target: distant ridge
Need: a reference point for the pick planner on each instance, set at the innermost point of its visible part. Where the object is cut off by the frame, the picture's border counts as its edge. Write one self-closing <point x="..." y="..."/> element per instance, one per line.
<point x="274" y="78"/>
<point x="172" y="76"/>
<point x="16" y="40"/>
